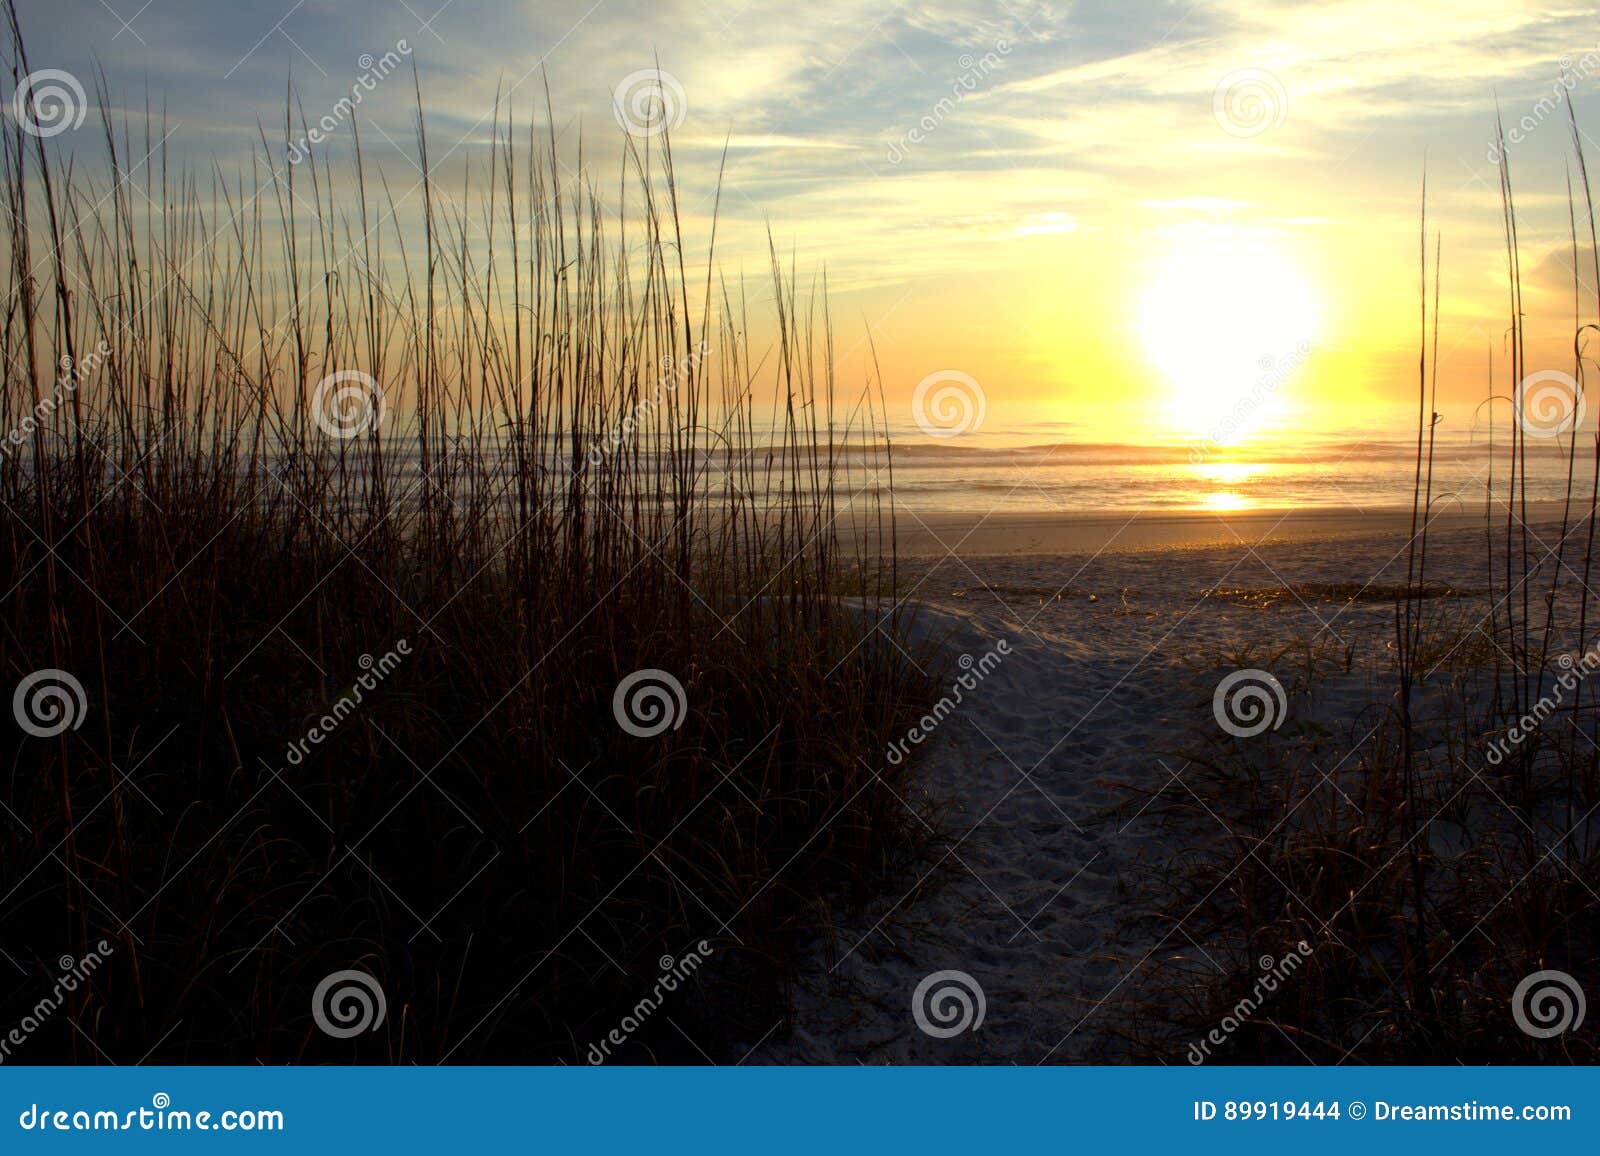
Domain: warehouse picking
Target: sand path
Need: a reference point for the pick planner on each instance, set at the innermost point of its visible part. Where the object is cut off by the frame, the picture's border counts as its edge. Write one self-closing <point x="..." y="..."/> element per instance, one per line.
<point x="1045" y="853"/>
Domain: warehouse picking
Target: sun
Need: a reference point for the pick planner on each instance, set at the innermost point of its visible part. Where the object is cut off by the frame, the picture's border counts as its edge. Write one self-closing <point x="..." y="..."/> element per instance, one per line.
<point x="1227" y="319"/>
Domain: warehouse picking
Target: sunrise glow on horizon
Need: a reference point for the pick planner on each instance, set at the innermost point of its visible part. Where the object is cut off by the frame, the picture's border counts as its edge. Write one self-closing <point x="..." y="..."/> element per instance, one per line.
<point x="1126" y="220"/>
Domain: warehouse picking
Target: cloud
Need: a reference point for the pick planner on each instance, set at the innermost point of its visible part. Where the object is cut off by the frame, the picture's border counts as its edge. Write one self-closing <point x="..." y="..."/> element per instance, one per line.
<point x="1553" y="273"/>
<point x="897" y="144"/>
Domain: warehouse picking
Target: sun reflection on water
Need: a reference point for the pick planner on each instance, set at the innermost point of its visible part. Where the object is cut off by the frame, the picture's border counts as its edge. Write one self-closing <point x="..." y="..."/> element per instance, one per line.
<point x="1217" y="486"/>
<point x="1226" y="502"/>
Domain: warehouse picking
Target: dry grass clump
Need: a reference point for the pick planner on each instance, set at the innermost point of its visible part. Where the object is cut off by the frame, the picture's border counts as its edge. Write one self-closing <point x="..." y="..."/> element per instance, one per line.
<point x="581" y="469"/>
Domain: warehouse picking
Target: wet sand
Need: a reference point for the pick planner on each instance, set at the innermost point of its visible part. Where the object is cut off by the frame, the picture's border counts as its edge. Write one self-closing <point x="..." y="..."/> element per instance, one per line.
<point x="920" y="534"/>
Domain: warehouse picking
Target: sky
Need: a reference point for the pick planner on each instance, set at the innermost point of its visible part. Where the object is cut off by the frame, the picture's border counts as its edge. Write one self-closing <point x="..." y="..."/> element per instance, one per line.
<point x="1113" y="219"/>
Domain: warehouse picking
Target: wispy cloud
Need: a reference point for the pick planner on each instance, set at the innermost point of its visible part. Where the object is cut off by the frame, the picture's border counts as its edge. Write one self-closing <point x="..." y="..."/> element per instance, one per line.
<point x="899" y="144"/>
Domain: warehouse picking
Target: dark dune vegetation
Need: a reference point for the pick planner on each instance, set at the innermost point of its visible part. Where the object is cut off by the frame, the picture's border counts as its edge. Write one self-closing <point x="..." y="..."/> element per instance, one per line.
<point x="348" y="667"/>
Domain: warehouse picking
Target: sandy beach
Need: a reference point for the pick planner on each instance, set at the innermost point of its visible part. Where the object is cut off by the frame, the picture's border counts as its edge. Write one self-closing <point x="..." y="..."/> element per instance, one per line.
<point x="921" y="533"/>
<point x="1035" y="779"/>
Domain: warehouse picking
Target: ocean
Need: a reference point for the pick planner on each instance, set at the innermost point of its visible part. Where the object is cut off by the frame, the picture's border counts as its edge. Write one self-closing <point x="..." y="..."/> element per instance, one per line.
<point x="1015" y="474"/>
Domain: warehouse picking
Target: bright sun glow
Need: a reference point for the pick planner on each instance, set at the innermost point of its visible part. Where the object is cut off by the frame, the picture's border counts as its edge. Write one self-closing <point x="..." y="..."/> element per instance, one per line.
<point x="1227" y="319"/>
<point x="1224" y="487"/>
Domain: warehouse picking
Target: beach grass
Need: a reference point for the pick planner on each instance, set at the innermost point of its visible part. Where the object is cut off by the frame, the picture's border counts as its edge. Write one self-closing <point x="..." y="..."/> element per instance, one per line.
<point x="356" y="549"/>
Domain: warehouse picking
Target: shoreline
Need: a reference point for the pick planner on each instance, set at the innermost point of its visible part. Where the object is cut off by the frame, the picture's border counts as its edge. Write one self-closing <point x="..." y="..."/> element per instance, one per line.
<point x="1000" y="533"/>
